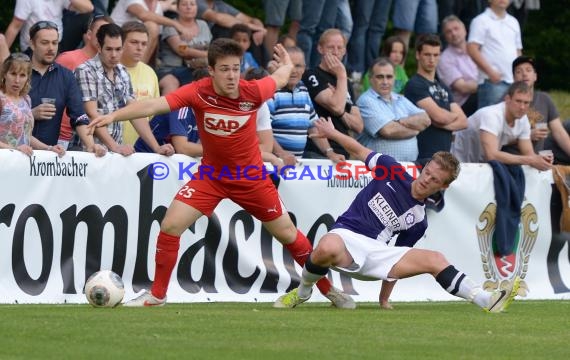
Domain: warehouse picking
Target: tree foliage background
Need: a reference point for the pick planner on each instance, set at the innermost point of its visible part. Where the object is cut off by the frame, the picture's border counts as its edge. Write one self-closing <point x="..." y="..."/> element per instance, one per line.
<point x="545" y="36"/>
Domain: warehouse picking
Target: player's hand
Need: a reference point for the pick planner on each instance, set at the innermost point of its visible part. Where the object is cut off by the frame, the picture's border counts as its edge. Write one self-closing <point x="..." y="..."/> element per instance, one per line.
<point x="272" y="66"/>
<point x="100" y="121"/>
<point x="335" y="158"/>
<point x="281" y="56"/>
<point x="322" y="128"/>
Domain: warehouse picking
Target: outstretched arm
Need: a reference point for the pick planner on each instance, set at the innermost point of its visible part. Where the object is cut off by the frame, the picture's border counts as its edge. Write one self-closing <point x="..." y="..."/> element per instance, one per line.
<point x="134" y="110"/>
<point x="325" y="128"/>
<point x="285" y="66"/>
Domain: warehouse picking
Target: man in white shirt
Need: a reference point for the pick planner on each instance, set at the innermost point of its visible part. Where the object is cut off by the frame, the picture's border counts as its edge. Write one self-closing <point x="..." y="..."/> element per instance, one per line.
<point x="495" y="126"/>
<point x="494" y="42"/>
<point x="29" y="12"/>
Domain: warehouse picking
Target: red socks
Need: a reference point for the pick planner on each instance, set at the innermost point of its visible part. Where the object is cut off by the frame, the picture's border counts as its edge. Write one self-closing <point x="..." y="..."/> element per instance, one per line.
<point x="165" y="259"/>
<point x="300" y="250"/>
<point x="167" y="254"/>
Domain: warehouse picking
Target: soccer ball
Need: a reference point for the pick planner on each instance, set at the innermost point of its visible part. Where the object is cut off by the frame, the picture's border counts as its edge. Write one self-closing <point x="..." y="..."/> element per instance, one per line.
<point x="104" y="289"/>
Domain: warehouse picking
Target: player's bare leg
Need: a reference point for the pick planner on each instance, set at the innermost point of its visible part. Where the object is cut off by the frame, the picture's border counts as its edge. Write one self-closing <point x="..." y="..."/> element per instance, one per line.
<point x="178" y="218"/>
<point x="455" y="282"/>
<point x="299" y="247"/>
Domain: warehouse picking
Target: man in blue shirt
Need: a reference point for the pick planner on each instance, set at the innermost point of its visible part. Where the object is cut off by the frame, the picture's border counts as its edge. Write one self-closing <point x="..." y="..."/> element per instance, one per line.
<point x="292" y="111"/>
<point x="391" y="121"/>
<point x="51" y="80"/>
<point x="393" y="203"/>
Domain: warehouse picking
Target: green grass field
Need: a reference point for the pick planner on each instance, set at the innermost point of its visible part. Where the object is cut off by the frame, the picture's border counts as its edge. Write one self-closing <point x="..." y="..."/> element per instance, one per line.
<point x="436" y="330"/>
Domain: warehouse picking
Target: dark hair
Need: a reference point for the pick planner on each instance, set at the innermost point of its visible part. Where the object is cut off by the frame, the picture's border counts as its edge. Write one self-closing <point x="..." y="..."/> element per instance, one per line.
<point x="200" y="73"/>
<point x="98" y="17"/>
<point x="381" y="61"/>
<point x="255" y="73"/>
<point x="40" y="25"/>
<point x="223" y="47"/>
<point x="389" y="43"/>
<point x="518" y="87"/>
<point x="427" y="39"/>
<point x="284" y="37"/>
<point x="523" y="60"/>
<point x="133" y="26"/>
<point x="240" y="28"/>
<point x="109" y="30"/>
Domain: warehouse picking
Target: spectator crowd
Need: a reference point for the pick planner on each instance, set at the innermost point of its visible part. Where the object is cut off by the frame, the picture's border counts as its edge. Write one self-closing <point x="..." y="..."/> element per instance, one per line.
<point x="473" y="92"/>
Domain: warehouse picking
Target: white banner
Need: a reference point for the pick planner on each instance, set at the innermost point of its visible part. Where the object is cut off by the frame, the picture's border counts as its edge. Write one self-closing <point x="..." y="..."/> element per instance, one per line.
<point x="62" y="219"/>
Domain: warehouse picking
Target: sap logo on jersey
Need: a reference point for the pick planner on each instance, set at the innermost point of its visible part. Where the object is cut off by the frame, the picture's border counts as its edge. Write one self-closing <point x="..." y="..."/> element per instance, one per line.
<point x="219" y="124"/>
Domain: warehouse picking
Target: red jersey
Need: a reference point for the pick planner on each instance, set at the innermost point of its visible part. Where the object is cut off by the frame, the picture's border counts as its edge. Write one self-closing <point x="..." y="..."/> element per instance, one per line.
<point x="227" y="127"/>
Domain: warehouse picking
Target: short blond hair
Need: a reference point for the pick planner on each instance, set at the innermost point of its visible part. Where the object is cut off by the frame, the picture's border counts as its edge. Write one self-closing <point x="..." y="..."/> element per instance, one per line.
<point x="331" y="32"/>
<point x="447" y="162"/>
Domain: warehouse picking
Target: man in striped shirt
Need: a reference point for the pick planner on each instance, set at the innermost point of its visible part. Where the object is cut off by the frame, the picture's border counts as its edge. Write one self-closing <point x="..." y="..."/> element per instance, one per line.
<point x="292" y="111"/>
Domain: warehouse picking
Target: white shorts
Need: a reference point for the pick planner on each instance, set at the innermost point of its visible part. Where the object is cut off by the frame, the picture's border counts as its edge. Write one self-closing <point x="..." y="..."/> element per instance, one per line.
<point x="373" y="259"/>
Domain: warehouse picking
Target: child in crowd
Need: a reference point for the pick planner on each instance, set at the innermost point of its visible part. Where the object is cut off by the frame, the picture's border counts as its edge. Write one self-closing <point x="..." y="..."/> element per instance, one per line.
<point x="242" y="34"/>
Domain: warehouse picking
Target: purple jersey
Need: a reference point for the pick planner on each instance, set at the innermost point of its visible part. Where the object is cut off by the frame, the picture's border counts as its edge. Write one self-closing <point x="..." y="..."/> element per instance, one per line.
<point x="385" y="207"/>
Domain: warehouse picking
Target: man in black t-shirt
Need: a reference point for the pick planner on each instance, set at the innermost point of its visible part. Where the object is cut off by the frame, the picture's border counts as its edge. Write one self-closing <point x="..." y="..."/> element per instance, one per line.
<point x="332" y="96"/>
<point x="426" y="91"/>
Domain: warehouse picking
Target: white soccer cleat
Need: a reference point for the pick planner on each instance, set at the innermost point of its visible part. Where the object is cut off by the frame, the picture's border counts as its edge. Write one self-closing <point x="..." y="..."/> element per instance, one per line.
<point x="289" y="300"/>
<point x="145" y="299"/>
<point x="340" y="300"/>
<point x="502" y="298"/>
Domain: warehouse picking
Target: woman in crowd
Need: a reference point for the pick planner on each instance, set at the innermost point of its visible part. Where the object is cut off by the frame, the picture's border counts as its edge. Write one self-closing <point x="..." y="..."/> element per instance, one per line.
<point x="180" y="57"/>
<point x="16" y="119"/>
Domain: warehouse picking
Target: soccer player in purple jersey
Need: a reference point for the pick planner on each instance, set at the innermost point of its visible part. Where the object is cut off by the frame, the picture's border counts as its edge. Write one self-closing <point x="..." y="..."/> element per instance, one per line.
<point x="391" y="204"/>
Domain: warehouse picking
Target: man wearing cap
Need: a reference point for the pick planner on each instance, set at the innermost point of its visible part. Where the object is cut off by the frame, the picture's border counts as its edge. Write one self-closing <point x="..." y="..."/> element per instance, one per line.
<point x="52" y="81"/>
<point x="542" y="110"/>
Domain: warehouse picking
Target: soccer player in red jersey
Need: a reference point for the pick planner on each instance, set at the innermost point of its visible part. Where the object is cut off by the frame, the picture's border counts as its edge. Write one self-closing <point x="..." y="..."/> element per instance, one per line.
<point x="226" y="110"/>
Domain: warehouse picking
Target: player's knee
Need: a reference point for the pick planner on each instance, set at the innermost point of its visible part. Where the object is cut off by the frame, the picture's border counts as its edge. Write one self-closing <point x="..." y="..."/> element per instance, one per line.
<point x="328" y="249"/>
<point x="170" y="226"/>
<point x="437" y="259"/>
